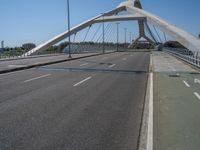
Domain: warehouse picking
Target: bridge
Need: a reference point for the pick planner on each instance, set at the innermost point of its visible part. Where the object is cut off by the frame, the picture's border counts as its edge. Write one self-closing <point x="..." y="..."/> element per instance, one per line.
<point x="115" y="93"/>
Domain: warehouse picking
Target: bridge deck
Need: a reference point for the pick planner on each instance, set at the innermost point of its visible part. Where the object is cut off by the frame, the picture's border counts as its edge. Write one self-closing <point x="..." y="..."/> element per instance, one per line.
<point x="93" y="103"/>
<point x="14" y="63"/>
<point x="176" y="104"/>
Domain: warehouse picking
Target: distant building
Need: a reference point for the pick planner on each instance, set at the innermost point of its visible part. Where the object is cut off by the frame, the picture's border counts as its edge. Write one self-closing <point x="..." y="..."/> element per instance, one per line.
<point x="28" y="46"/>
<point x="2" y="46"/>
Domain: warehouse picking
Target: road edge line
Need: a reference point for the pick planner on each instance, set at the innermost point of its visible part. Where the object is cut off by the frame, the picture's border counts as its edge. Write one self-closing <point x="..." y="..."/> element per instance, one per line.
<point x="146" y="132"/>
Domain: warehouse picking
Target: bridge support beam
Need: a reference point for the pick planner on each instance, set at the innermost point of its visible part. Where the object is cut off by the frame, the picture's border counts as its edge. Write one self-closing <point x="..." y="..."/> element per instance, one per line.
<point x="186" y="39"/>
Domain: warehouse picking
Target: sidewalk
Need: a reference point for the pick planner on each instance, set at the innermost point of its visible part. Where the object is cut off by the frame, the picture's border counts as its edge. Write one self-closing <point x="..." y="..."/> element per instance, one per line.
<point x="20" y="64"/>
<point x="176" y="104"/>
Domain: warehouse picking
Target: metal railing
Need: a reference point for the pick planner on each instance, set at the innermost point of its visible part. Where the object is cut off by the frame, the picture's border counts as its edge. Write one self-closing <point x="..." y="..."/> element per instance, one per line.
<point x="185" y="55"/>
<point x="12" y="54"/>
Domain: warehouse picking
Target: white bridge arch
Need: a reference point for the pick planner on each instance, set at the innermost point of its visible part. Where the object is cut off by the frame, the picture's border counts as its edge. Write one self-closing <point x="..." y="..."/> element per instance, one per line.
<point x="136" y="12"/>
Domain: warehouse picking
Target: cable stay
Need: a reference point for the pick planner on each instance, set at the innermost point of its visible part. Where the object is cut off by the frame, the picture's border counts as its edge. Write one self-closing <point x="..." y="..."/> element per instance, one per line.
<point x="74" y="38"/>
<point x="165" y="36"/>
<point x="157" y="34"/>
<point x="97" y="31"/>
<point x="148" y="29"/>
<point x="101" y="35"/>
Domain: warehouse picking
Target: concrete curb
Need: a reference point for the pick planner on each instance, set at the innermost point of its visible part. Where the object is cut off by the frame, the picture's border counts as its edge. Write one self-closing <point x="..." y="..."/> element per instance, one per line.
<point x="146" y="130"/>
<point x="47" y="63"/>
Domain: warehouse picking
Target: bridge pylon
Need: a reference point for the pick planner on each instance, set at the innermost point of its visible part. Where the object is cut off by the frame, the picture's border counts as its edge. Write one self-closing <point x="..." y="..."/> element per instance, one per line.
<point x="137" y="4"/>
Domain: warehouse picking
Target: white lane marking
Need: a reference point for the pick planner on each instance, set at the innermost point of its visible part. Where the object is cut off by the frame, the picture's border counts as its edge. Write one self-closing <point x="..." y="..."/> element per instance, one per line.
<point x="82" y="81"/>
<point x="150" y="120"/>
<point x="37" y="78"/>
<point x="84" y="64"/>
<point x="124" y="59"/>
<point x="113" y="65"/>
<point x="15" y="66"/>
<point x="197" y="95"/>
<point x="197" y="81"/>
<point x="186" y="83"/>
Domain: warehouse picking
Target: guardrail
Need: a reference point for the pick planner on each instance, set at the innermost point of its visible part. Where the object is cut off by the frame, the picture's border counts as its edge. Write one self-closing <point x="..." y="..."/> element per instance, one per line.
<point x="185" y="55"/>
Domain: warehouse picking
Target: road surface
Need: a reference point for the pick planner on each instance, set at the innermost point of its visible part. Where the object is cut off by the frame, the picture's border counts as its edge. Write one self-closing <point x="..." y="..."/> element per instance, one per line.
<point x="93" y="103"/>
<point x="176" y="104"/>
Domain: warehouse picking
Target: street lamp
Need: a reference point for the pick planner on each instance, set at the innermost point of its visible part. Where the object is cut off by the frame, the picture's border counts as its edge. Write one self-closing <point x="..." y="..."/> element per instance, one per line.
<point x="69" y="29"/>
<point x="125" y="29"/>
<point x="103" y="34"/>
<point x="117" y="36"/>
<point x="130" y="37"/>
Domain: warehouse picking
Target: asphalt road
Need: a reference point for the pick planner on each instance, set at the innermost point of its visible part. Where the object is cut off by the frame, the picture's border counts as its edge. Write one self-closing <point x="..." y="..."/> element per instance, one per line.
<point x="93" y="103"/>
<point x="6" y="64"/>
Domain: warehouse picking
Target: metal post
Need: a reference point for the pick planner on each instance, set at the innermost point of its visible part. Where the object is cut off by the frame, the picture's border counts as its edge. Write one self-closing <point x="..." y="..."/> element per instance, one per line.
<point x="130" y="38"/>
<point x="133" y="38"/>
<point x="103" y="35"/>
<point x="117" y="37"/>
<point x="69" y="29"/>
<point x="125" y="29"/>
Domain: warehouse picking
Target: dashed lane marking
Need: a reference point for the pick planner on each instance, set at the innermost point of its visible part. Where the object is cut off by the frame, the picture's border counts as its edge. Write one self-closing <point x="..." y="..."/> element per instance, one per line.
<point x="113" y="65"/>
<point x="84" y="64"/>
<point x="197" y="81"/>
<point x="197" y="95"/>
<point x="82" y="81"/>
<point x="186" y="84"/>
<point x="26" y="81"/>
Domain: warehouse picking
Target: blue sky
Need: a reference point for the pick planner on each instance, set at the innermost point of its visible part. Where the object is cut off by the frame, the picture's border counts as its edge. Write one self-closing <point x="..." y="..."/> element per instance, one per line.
<point x="39" y="20"/>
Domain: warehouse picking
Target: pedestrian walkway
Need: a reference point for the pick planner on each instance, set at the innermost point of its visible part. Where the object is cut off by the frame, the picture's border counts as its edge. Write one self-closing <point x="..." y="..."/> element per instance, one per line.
<point x="176" y="104"/>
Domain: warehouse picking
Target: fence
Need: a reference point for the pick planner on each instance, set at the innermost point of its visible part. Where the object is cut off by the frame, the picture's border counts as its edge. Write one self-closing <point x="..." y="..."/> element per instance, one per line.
<point x="185" y="55"/>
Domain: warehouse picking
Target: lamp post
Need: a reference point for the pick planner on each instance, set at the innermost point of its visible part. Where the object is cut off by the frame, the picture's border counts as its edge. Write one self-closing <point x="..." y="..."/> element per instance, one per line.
<point x="125" y="30"/>
<point x="117" y="36"/>
<point x="103" y="34"/>
<point x="130" y="38"/>
<point x="69" y="29"/>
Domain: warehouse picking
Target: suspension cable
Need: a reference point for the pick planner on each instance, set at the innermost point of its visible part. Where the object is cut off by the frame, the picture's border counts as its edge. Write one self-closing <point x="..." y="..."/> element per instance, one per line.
<point x="150" y="32"/>
<point x="101" y="35"/>
<point x="108" y="32"/>
<point x="97" y="31"/>
<point x="86" y="33"/>
<point x="74" y="38"/>
<point x="165" y="36"/>
<point x="80" y="45"/>
<point x="157" y="33"/>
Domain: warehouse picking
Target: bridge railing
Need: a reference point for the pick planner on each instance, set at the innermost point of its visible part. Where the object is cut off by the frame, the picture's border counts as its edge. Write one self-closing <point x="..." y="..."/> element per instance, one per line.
<point x="185" y="55"/>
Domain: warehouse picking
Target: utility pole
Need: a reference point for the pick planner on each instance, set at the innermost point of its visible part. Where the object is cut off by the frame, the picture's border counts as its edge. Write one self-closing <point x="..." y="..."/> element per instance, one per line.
<point x="117" y="36"/>
<point x="103" y="34"/>
<point x="68" y="10"/>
